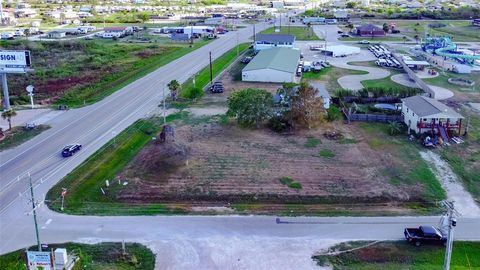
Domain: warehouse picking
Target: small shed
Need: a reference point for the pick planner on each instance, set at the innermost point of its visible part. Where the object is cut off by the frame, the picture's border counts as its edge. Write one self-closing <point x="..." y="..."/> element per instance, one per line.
<point x="340" y="50"/>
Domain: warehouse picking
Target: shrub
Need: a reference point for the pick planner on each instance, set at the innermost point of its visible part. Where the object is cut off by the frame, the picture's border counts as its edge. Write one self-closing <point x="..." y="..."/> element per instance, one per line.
<point x="192" y="93"/>
<point x="250" y="106"/>
<point x="333" y="113"/>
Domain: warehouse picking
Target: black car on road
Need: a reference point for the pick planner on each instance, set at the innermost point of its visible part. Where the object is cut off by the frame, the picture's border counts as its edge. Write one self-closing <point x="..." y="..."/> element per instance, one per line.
<point x="424" y="235"/>
<point x="71" y="149"/>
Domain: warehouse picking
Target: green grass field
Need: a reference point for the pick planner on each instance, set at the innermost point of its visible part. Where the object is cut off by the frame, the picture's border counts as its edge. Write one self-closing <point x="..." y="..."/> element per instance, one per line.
<point x="442" y="81"/>
<point x="300" y="32"/>
<point x="93" y="257"/>
<point x="459" y="30"/>
<point x="19" y="135"/>
<point x="330" y="76"/>
<point x="371" y="39"/>
<point x="202" y="79"/>
<point x="394" y="255"/>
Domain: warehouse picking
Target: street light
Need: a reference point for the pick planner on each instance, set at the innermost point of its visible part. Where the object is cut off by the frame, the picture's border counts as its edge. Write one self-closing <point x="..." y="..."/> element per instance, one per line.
<point x="30" y="94"/>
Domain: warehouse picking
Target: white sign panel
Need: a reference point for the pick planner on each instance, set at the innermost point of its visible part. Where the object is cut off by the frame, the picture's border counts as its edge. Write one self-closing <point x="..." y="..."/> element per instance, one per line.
<point x="14" y="59"/>
<point x="39" y="260"/>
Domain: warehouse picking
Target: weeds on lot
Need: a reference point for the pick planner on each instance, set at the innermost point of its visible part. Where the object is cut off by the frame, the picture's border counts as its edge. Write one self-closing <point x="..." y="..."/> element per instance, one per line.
<point x="98" y="256"/>
<point x="401" y="255"/>
<point x="289" y="182"/>
<point x="326" y="153"/>
<point x="347" y="141"/>
<point x="312" y="142"/>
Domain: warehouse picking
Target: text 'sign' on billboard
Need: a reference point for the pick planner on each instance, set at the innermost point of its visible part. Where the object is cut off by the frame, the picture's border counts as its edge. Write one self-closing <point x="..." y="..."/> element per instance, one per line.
<point x="14" y="59"/>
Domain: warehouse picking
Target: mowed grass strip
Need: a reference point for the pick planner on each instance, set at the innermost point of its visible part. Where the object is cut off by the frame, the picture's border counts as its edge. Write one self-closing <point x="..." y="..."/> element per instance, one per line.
<point x="83" y="184"/>
<point x="218" y="65"/>
<point x="98" y="256"/>
<point x="393" y="255"/>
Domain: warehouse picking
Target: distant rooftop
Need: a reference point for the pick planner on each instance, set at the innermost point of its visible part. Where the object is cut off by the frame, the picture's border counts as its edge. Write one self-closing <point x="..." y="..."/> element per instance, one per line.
<point x="282" y="59"/>
<point x="275" y="38"/>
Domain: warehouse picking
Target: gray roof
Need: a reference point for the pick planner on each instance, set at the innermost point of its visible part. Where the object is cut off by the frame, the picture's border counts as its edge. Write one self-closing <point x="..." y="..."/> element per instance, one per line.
<point x="275" y="38"/>
<point x="424" y="106"/>
<point x="282" y="59"/>
<point x="322" y="91"/>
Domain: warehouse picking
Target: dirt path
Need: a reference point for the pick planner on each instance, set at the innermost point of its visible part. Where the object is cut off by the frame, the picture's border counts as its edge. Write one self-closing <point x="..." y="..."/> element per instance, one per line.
<point x="207" y="111"/>
<point x="464" y="202"/>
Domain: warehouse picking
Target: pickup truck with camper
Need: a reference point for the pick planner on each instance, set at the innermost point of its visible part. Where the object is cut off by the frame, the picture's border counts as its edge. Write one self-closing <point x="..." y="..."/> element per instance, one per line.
<point x="424" y="235"/>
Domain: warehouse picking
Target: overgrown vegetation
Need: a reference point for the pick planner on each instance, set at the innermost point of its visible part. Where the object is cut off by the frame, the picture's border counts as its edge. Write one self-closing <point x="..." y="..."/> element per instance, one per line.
<point x="98" y="256"/>
<point x="80" y="72"/>
<point x="401" y="255"/>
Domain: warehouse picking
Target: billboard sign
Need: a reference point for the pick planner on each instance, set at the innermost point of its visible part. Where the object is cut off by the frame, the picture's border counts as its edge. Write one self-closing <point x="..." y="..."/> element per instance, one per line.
<point x="14" y="59"/>
<point x="38" y="260"/>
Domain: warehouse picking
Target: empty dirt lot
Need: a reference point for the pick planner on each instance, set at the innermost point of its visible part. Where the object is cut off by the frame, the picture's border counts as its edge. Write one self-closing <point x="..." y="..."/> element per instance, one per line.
<point x="220" y="164"/>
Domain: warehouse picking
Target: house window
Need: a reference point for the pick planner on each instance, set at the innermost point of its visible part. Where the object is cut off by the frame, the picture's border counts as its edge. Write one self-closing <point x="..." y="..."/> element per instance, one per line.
<point x="424" y="119"/>
<point x="413" y="113"/>
<point x="407" y="110"/>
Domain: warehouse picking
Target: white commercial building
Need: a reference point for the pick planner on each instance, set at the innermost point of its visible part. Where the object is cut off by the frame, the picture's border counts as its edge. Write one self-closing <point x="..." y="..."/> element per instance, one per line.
<point x="340" y="50"/>
<point x="273" y="65"/>
<point x="268" y="41"/>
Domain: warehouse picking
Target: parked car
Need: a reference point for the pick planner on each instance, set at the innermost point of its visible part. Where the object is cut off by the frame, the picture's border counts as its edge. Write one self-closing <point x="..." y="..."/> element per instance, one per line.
<point x="344" y="35"/>
<point x="217" y="87"/>
<point x="364" y="42"/>
<point x="340" y="32"/>
<point x="424" y="234"/>
<point x="246" y="60"/>
<point x="71" y="149"/>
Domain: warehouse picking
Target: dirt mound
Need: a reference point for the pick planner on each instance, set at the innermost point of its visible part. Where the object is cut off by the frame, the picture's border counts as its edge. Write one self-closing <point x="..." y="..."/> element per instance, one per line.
<point x="160" y="159"/>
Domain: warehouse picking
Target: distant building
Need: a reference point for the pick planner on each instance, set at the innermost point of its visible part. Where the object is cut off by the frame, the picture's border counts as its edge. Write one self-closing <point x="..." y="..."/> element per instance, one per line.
<point x="215" y="21"/>
<point x="277" y="65"/>
<point x="56" y="34"/>
<point x="313" y="20"/>
<point x="268" y="41"/>
<point x="120" y="31"/>
<point x="422" y="114"/>
<point x="370" y="30"/>
<point x="341" y="15"/>
<point x="340" y="50"/>
<point x="476" y="22"/>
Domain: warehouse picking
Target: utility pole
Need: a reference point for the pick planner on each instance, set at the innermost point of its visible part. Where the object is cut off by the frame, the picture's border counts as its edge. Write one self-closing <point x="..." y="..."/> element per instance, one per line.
<point x="452" y="222"/>
<point x="237" y="45"/>
<point x="254" y="34"/>
<point x="34" y="213"/>
<point x="163" y="94"/>
<point x="211" y="69"/>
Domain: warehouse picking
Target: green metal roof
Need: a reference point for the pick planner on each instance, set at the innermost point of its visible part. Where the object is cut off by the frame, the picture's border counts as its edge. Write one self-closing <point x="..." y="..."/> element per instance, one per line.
<point x="282" y="59"/>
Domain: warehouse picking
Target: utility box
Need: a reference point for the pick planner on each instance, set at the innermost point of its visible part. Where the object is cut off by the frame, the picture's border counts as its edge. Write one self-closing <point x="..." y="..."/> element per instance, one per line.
<point x="61" y="257"/>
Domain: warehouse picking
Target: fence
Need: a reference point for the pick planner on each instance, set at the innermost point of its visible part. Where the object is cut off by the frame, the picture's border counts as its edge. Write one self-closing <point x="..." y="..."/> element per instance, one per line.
<point x="380" y="118"/>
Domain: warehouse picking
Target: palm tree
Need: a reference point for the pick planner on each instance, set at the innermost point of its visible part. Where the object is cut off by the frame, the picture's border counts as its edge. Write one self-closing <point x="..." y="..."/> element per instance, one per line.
<point x="174" y="86"/>
<point x="394" y="127"/>
<point x="8" y="116"/>
<point x="417" y="38"/>
<point x="404" y="39"/>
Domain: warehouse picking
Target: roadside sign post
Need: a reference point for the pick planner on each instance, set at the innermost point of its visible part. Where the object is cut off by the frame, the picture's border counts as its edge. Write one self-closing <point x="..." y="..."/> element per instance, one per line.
<point x="64" y="192"/>
<point x="30" y="94"/>
<point x="12" y="62"/>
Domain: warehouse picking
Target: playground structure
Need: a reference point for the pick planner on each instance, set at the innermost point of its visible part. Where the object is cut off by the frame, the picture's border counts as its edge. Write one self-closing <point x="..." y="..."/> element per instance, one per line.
<point x="445" y="47"/>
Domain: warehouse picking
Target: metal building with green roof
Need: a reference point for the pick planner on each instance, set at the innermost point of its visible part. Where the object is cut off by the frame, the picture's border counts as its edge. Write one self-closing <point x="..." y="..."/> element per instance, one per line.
<point x="273" y="65"/>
